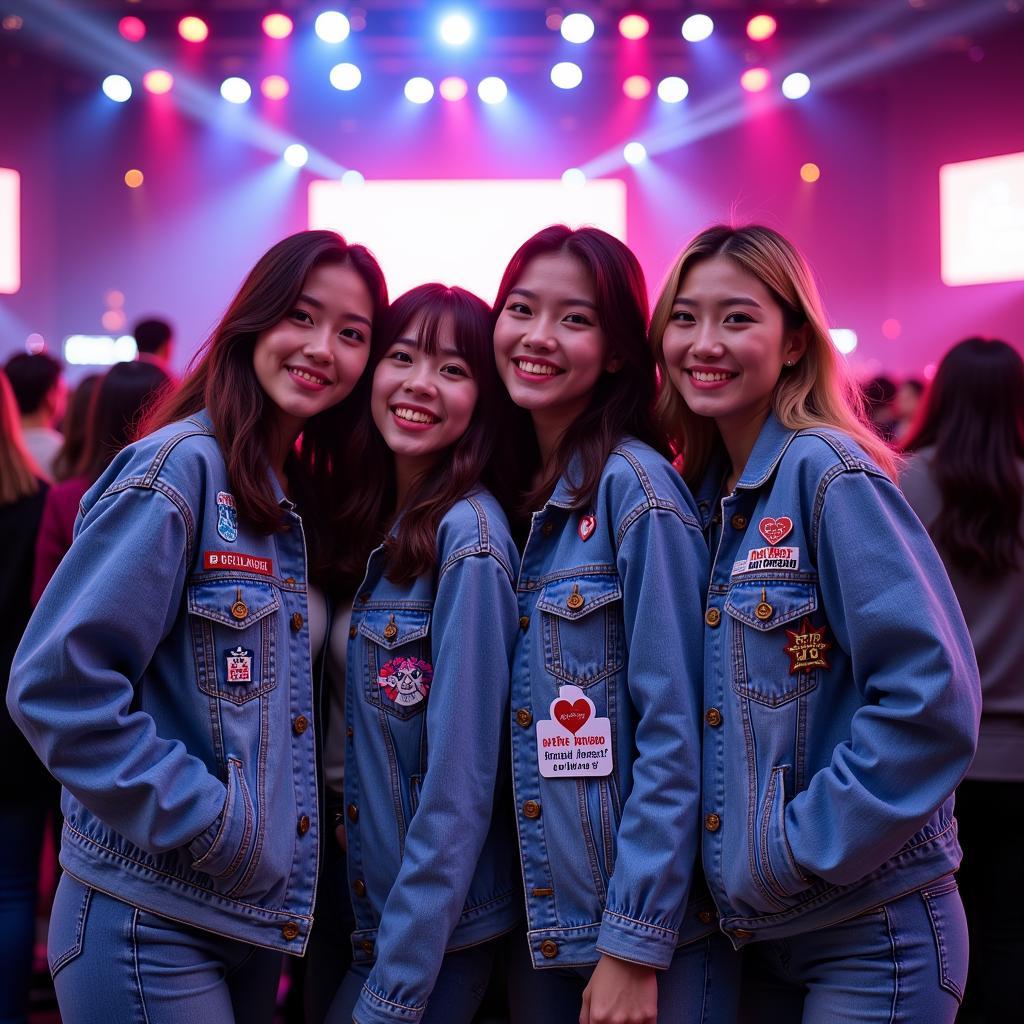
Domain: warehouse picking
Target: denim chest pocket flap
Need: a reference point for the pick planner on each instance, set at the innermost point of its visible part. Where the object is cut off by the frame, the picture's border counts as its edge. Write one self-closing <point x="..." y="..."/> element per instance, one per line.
<point x="765" y="605"/>
<point x="233" y="635"/>
<point x="398" y="668"/>
<point x="391" y="629"/>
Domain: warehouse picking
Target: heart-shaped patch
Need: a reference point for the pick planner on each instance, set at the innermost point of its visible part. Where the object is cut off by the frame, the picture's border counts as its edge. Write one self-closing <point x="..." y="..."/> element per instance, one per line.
<point x="773" y="530"/>
<point x="586" y="528"/>
<point x="571" y="716"/>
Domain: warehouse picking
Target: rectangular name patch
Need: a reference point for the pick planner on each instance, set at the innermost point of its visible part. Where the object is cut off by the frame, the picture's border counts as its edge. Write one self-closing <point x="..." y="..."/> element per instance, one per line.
<point x="228" y="560"/>
<point x="767" y="559"/>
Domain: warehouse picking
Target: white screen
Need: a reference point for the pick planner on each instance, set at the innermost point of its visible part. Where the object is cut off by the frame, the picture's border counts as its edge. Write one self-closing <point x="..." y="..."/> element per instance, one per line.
<point x="10" y="233"/>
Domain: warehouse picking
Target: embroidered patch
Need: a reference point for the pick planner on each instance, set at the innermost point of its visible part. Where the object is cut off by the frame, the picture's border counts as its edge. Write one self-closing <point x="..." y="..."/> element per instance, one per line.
<point x="239" y="665"/>
<point x="573" y="742"/>
<point x="763" y="559"/>
<point x="587" y="526"/>
<point x="807" y="647"/>
<point x="227" y="560"/>
<point x="406" y="681"/>
<point x="773" y="530"/>
<point x="227" y="516"/>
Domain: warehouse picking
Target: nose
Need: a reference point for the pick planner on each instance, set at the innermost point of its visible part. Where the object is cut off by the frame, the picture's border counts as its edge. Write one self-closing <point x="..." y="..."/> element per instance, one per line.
<point x="318" y="346"/>
<point x="540" y="336"/>
<point x="707" y="343"/>
<point x="421" y="382"/>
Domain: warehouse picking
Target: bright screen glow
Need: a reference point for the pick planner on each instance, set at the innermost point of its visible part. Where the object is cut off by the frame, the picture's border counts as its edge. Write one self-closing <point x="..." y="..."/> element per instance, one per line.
<point x="982" y="217"/>
<point x="10" y="232"/>
<point x="98" y="349"/>
<point x="458" y="232"/>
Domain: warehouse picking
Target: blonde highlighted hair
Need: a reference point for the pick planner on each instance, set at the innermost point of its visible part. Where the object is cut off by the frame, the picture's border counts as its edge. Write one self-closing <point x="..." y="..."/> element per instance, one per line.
<point x="19" y="475"/>
<point x="817" y="392"/>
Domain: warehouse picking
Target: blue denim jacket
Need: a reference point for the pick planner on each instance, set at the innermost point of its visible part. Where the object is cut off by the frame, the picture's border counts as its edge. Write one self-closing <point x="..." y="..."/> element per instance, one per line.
<point x="841" y="691"/>
<point x="431" y="861"/>
<point x="165" y="680"/>
<point x="610" y="599"/>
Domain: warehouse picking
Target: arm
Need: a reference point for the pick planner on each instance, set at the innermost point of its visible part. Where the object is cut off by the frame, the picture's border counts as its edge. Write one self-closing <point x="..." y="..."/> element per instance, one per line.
<point x="890" y="605"/>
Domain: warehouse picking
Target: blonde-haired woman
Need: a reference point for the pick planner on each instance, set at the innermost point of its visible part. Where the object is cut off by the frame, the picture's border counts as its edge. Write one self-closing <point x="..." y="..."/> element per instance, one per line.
<point x="841" y="691"/>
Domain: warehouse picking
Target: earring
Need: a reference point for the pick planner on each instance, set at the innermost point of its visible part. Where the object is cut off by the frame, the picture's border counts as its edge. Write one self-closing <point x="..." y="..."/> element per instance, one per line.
<point x="789" y="362"/>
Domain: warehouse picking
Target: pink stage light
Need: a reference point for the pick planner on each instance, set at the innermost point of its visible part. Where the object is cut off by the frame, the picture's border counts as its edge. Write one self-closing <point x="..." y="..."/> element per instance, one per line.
<point x="275" y="87"/>
<point x="755" y="79"/>
<point x="193" y="29"/>
<point x="634" y="26"/>
<point x="278" y="26"/>
<point x="158" y="81"/>
<point x="131" y="28"/>
<point x="10" y="231"/>
<point x="453" y="89"/>
<point x="892" y="328"/>
<point x="637" y="87"/>
<point x="761" y="27"/>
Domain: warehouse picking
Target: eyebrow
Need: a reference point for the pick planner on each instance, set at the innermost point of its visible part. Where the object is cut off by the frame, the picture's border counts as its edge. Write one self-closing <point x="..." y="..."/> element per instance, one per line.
<point x="317" y="304"/>
<point x="738" y="300"/>
<point x="415" y="343"/>
<point x="565" y="302"/>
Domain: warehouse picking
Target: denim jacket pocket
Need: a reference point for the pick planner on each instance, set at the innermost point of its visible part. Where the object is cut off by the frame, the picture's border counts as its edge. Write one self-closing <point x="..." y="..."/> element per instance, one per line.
<point x="233" y="637"/>
<point x="781" y="872"/>
<point x="221" y="850"/>
<point x="583" y="629"/>
<point x="398" y="667"/>
<point x="763" y="669"/>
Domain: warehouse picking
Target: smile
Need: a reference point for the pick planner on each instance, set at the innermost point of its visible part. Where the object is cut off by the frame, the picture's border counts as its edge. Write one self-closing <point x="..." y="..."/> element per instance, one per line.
<point x="420" y="416"/>
<point x="536" y="369"/>
<point x="308" y="375"/>
<point x="711" y="377"/>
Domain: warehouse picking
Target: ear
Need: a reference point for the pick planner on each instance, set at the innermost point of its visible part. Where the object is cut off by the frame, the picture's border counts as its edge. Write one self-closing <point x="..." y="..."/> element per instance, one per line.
<point x="794" y="347"/>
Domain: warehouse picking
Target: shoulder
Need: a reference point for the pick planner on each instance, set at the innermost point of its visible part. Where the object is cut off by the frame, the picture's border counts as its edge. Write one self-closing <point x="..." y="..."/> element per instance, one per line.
<point x="475" y="525"/>
<point x="823" y="453"/>
<point x="636" y="477"/>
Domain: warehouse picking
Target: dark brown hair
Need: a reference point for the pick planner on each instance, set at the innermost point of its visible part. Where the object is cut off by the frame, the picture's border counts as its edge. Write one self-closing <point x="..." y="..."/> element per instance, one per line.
<point x="76" y="422"/>
<point x="973" y="417"/>
<point x="221" y="379"/>
<point x="621" y="402"/>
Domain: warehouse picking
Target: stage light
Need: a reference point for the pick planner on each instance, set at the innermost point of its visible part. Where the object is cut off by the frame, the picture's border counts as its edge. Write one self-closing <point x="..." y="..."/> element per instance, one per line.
<point x="332" y="27"/>
<point x="566" y="75"/>
<point x="236" y="90"/>
<point x="796" y="85"/>
<point x="673" y="89"/>
<point x="634" y="153"/>
<point x="419" y="90"/>
<point x="456" y="29"/>
<point x="131" y="28"/>
<point x="278" y="26"/>
<point x="492" y="90"/>
<point x="117" y="88"/>
<point x="761" y="27"/>
<point x="844" y="339"/>
<point x="697" y="28"/>
<point x="634" y="26"/>
<point x="134" y="178"/>
<point x="577" y="28"/>
<point x="296" y="155"/>
<point x="892" y="328"/>
<point x="346" y="77"/>
<point x="158" y="81"/>
<point x="193" y="29"/>
<point x="34" y="344"/>
<point x="352" y="179"/>
<point x="810" y="173"/>
<point x="637" y="87"/>
<point x="453" y="88"/>
<point x="574" y="178"/>
<point x="275" y="87"/>
<point x="755" y="79"/>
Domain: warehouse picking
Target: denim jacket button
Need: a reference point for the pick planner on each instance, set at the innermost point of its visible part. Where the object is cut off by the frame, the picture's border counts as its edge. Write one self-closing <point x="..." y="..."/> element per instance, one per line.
<point x="742" y="933"/>
<point x="303" y="825"/>
<point x="739" y="522"/>
<point x="290" y="580"/>
<point x="524" y="622"/>
<point x="575" y="601"/>
<point x="296" y="622"/>
<point x="549" y="949"/>
<point x="366" y="945"/>
<point x="548" y="528"/>
<point x="531" y="809"/>
<point x="300" y="725"/>
<point x="290" y="930"/>
<point x="524" y="717"/>
<point x="353" y="812"/>
<point x="713" y="717"/>
<point x="712" y="617"/>
<point x="706" y="916"/>
<point x="359" y="887"/>
<point x="712" y="822"/>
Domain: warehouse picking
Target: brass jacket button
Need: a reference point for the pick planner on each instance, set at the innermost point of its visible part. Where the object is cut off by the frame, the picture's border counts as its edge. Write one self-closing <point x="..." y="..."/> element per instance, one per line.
<point x="549" y="949"/>
<point x="575" y="601"/>
<point x="524" y="621"/>
<point x="742" y="933"/>
<point x="739" y="521"/>
<point x="713" y="717"/>
<point x="366" y="945"/>
<point x="303" y="825"/>
<point x="352" y="632"/>
<point x="353" y="812"/>
<point x="523" y="717"/>
<point x="531" y="809"/>
<point x="349" y="731"/>
<point x="239" y="609"/>
<point x="712" y="617"/>
<point x="300" y="725"/>
<point x="548" y="528"/>
<point x="706" y="916"/>
<point x="296" y="622"/>
<point x="712" y="822"/>
<point x="764" y="611"/>
<point x="359" y="887"/>
<point x="290" y="580"/>
<point x="290" y="930"/>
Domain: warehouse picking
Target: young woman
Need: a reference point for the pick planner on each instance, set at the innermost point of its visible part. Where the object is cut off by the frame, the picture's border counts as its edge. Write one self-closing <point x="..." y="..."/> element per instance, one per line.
<point x="606" y="673"/>
<point x="840" y="689"/>
<point x="965" y="481"/>
<point x="165" y="677"/>
<point x="431" y="872"/>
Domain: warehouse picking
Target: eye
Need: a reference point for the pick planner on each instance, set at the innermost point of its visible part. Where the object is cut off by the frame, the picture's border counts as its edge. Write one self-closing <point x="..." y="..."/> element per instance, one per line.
<point x="301" y="316"/>
<point x="577" y="318"/>
<point x="455" y="370"/>
<point x="518" y="307"/>
<point x="352" y="333"/>
<point x="739" y="318"/>
<point x="683" y="316"/>
<point x="400" y="356"/>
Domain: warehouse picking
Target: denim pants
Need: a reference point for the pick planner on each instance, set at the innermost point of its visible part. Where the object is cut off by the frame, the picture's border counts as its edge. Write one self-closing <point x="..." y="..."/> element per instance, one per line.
<point x="112" y="962"/>
<point x="904" y="962"/>
<point x="700" y="986"/>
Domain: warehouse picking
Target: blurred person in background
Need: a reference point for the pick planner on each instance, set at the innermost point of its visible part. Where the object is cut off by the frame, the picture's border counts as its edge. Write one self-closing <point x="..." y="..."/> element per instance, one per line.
<point x="906" y="406"/>
<point x="879" y="393"/>
<point x="24" y="784"/>
<point x="154" y="339"/>
<point x="965" y="480"/>
<point x="38" y="384"/>
<point x="73" y="428"/>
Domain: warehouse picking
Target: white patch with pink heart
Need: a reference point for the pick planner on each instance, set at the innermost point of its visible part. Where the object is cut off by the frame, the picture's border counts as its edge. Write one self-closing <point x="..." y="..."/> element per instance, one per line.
<point x="573" y="743"/>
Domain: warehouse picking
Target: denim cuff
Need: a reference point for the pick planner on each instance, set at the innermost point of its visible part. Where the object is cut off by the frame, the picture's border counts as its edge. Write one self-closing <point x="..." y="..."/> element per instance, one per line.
<point x="640" y="942"/>
<point x="373" y="1008"/>
<point x="221" y="850"/>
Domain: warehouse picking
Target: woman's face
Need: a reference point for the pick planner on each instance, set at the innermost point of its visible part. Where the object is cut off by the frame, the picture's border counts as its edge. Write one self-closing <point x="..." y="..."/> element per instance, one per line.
<point x="313" y="358"/>
<point x="726" y="342"/>
<point x="422" y="403"/>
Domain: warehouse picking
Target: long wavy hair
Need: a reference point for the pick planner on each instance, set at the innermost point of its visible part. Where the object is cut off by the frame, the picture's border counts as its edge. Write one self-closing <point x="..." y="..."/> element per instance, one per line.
<point x="817" y="392"/>
<point x="76" y="422"/>
<point x="973" y="418"/>
<point x="622" y="402"/>
<point x="221" y="379"/>
<point x="460" y="469"/>
<point x="19" y="475"/>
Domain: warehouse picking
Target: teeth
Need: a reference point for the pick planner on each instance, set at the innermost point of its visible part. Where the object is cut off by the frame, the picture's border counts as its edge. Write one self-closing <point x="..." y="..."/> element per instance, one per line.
<point x="709" y="378"/>
<point x="541" y="369"/>
<point x="312" y="378"/>
<point x="413" y="415"/>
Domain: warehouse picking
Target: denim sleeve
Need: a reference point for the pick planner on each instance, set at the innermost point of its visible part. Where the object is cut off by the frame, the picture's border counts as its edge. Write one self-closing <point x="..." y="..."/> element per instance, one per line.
<point x="890" y="605"/>
<point x="113" y="598"/>
<point x="475" y="619"/>
<point x="663" y="564"/>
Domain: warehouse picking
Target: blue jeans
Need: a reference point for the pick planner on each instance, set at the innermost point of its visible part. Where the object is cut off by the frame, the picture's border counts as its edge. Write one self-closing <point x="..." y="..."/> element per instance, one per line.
<point x="700" y="986"/>
<point x="112" y="962"/>
<point x="904" y="962"/>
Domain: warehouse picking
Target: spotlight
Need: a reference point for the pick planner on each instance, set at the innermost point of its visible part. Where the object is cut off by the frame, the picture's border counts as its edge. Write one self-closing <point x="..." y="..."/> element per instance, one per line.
<point x="634" y="153"/>
<point x="697" y="28"/>
<point x="332" y="27"/>
<point x="193" y="29"/>
<point x="577" y="28"/>
<point x="761" y="27"/>
<point x="275" y="87"/>
<point x="892" y="328"/>
<point x="346" y="77"/>
<point x="574" y="178"/>
<point x="844" y="339"/>
<point x="634" y="26"/>
<point x="673" y="89"/>
<point x="277" y="26"/>
<point x="810" y="173"/>
<point x="456" y="29"/>
<point x="352" y="179"/>
<point x="755" y="79"/>
<point x="796" y="85"/>
<point x="133" y="179"/>
<point x="236" y="90"/>
<point x="492" y="90"/>
<point x="296" y="155"/>
<point x="158" y="82"/>
<point x="566" y="75"/>
<point x="637" y="87"/>
<point x="117" y="88"/>
<point x="419" y="90"/>
<point x="131" y="28"/>
<point x="453" y="88"/>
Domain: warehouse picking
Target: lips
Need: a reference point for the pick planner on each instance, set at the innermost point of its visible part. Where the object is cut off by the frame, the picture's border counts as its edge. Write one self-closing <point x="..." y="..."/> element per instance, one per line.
<point x="414" y="414"/>
<point x="710" y="376"/>
<point x="304" y="376"/>
<point x="536" y="368"/>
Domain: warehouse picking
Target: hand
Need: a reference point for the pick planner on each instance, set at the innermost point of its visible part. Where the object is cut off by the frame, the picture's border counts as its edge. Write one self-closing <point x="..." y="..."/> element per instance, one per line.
<point x="620" y="992"/>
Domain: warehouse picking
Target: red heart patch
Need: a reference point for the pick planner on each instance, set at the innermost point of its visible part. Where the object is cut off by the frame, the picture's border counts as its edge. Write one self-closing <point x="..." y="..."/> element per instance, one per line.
<point x="773" y="530"/>
<point x="586" y="528"/>
<point x="571" y="716"/>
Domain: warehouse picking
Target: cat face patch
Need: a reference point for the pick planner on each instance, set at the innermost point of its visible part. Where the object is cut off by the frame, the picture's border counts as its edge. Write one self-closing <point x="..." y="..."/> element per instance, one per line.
<point x="406" y="681"/>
